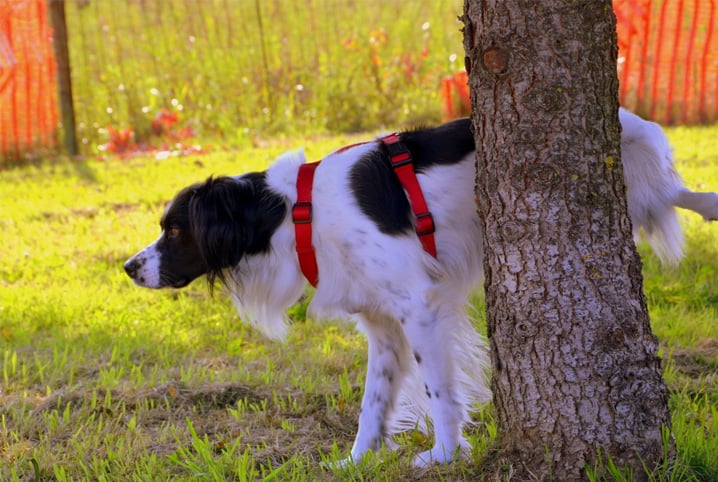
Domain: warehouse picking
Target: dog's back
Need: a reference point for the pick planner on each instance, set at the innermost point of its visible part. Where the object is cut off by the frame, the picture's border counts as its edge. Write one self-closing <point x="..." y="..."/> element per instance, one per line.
<point x="360" y="205"/>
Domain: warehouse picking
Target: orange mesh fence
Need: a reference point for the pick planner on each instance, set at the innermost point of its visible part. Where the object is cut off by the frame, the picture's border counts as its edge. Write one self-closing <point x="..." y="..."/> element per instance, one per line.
<point x="667" y="62"/>
<point x="28" y="101"/>
<point x="668" y="59"/>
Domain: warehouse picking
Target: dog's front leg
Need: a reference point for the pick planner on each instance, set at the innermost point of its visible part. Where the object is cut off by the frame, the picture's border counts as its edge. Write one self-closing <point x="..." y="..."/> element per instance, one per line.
<point x="388" y="361"/>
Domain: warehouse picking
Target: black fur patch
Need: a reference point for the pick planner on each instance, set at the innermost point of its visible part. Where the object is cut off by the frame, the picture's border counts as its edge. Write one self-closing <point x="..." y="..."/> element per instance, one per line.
<point x="379" y="193"/>
<point x="443" y="145"/>
<point x="221" y="220"/>
<point x="376" y="187"/>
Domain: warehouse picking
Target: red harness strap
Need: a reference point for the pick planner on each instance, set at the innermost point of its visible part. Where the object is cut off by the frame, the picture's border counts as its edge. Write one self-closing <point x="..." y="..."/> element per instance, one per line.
<point x="403" y="166"/>
<point x="302" y="219"/>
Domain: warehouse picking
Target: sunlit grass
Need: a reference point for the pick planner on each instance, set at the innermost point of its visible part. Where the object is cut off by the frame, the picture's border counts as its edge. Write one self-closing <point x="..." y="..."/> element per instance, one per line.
<point x="244" y="69"/>
<point x="102" y="380"/>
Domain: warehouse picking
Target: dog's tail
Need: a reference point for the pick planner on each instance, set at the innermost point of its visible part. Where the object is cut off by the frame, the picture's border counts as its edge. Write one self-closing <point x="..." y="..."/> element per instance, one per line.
<point x="653" y="186"/>
<point x="662" y="230"/>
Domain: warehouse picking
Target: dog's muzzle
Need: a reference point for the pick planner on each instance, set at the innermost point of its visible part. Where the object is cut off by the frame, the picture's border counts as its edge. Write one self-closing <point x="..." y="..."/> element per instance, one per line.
<point x="132" y="267"/>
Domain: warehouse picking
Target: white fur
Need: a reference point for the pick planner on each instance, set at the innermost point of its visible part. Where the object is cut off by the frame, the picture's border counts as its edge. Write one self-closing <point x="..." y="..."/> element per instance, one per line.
<point x="379" y="280"/>
<point x="149" y="274"/>
<point x="653" y="187"/>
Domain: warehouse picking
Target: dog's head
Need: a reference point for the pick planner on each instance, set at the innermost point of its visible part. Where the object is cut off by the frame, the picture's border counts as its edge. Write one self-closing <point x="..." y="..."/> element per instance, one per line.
<point x="207" y="229"/>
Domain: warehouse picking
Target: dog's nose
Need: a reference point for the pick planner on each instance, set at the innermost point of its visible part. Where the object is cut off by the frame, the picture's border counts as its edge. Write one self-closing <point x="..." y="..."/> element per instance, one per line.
<point x="131" y="267"/>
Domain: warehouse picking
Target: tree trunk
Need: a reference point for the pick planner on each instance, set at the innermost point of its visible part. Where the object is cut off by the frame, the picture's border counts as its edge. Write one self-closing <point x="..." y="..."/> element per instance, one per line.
<point x="575" y="369"/>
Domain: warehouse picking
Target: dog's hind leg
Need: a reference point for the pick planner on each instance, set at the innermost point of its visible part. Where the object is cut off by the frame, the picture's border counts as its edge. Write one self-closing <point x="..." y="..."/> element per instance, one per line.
<point x="428" y="331"/>
<point x="388" y="363"/>
<point x="704" y="203"/>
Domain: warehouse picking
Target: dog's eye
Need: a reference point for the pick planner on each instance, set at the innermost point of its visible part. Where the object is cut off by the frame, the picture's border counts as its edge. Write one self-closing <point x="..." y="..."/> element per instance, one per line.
<point x="173" y="232"/>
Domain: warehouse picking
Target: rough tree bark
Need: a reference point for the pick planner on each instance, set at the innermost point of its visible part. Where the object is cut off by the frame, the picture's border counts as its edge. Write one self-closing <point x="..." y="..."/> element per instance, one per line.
<point x="575" y="368"/>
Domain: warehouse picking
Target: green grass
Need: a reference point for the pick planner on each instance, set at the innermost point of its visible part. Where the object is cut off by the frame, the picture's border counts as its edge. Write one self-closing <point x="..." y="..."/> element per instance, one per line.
<point x="238" y="70"/>
<point x="101" y="380"/>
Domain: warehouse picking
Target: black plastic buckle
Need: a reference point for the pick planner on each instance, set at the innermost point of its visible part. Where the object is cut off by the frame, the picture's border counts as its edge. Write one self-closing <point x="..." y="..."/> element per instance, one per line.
<point x="401" y="159"/>
<point x="398" y="153"/>
<point x="302" y="213"/>
<point x="425" y="224"/>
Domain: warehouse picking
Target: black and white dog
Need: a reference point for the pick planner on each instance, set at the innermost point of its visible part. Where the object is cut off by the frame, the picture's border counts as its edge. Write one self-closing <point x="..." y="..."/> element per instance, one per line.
<point x="425" y="358"/>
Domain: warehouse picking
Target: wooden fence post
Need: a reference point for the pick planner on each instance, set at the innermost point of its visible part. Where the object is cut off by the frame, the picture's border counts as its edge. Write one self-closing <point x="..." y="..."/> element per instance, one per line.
<point x="64" y="80"/>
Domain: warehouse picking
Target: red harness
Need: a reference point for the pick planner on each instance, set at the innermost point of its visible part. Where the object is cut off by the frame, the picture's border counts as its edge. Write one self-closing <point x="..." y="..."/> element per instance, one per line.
<point x="403" y="167"/>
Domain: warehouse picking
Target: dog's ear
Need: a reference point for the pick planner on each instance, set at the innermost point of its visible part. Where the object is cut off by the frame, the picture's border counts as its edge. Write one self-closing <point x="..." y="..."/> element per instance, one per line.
<point x="218" y="212"/>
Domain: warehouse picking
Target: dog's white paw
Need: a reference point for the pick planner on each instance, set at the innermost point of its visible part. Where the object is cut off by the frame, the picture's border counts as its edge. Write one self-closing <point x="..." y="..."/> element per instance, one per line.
<point x="342" y="464"/>
<point x="441" y="455"/>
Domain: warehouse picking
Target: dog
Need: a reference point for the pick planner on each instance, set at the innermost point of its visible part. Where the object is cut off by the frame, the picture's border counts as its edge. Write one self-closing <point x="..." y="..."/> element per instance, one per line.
<point x="424" y="356"/>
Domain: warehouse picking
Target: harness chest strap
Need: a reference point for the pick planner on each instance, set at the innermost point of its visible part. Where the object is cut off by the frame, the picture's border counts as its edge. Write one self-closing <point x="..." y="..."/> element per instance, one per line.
<point x="302" y="219"/>
<point x="302" y="210"/>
